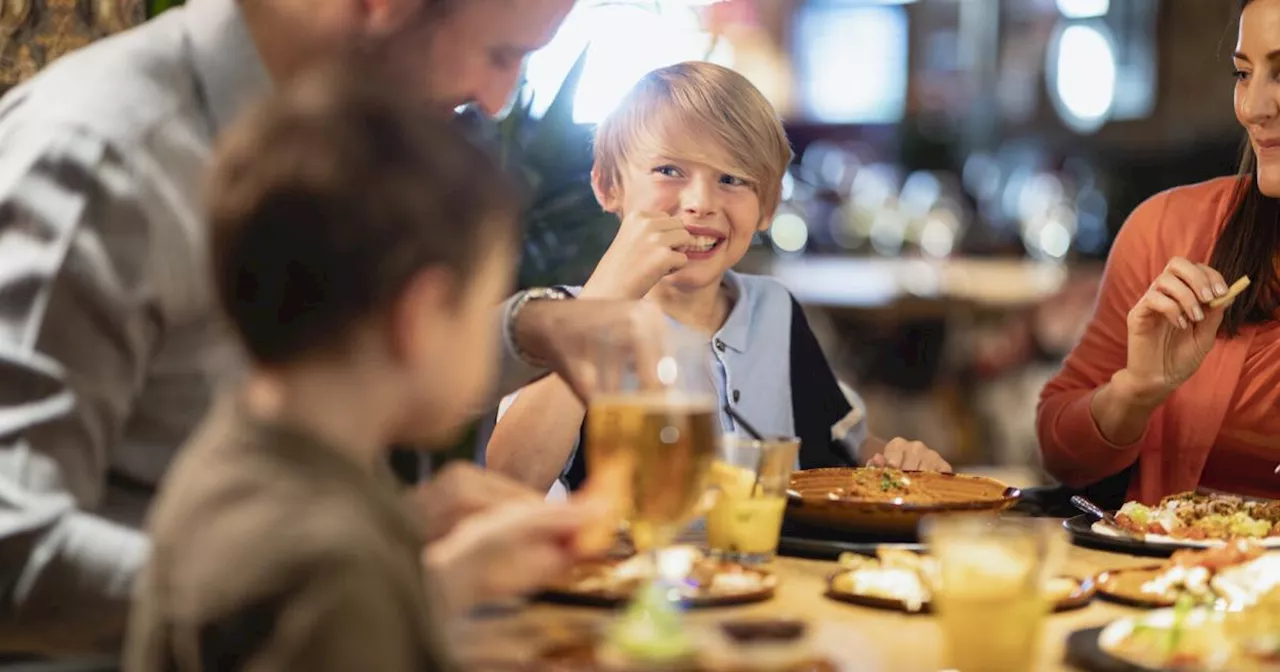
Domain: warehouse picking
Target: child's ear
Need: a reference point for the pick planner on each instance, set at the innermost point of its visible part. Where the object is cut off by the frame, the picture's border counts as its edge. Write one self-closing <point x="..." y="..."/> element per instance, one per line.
<point x="419" y="312"/>
<point x="766" y="220"/>
<point x="607" y="198"/>
<point x="386" y="16"/>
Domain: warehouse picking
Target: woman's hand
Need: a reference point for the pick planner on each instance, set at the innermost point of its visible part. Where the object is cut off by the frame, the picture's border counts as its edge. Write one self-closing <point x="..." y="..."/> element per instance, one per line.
<point x="1172" y="327"/>
<point x="646" y="249"/>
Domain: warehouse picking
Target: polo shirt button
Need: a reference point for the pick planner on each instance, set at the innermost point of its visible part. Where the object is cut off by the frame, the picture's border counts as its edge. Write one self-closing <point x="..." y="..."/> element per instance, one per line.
<point x="736" y="396"/>
<point x="719" y="345"/>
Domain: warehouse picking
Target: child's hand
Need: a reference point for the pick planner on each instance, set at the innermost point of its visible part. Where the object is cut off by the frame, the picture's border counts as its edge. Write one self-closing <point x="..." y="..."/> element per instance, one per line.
<point x="646" y="249"/>
<point x="900" y="453"/>
<point x="460" y="490"/>
<point x="507" y="551"/>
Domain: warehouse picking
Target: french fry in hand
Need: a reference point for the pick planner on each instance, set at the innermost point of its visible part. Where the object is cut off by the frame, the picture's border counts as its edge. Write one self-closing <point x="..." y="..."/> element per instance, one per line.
<point x="1232" y="292"/>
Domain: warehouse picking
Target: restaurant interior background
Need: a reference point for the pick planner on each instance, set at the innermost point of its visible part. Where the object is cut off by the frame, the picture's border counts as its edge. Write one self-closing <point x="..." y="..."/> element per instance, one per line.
<point x="961" y="168"/>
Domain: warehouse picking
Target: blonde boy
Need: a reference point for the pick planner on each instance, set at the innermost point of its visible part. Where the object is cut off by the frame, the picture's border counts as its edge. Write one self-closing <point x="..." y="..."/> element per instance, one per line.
<point x="692" y="162"/>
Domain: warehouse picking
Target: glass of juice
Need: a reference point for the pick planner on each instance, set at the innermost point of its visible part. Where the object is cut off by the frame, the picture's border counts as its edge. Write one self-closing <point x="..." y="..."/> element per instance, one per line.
<point x="989" y="592"/>
<point x="749" y="480"/>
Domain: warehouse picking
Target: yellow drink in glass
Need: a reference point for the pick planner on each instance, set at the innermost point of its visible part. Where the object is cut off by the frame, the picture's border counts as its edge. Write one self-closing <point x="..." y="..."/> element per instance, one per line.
<point x="991" y="631"/>
<point x="990" y="595"/>
<point x="749" y="482"/>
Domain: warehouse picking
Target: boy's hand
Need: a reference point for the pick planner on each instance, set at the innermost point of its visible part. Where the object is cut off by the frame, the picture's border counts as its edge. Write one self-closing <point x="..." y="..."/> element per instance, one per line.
<point x="460" y="490"/>
<point x="507" y="551"/>
<point x="647" y="248"/>
<point x="900" y="453"/>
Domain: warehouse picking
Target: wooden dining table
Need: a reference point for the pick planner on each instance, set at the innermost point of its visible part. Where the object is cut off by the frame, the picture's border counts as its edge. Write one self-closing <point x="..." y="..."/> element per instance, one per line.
<point x="868" y="638"/>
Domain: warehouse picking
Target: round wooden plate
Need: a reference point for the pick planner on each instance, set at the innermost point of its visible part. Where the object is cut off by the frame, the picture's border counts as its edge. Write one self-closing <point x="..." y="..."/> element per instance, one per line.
<point x="1109" y="637"/>
<point x="765" y="585"/>
<point x="1124" y="586"/>
<point x="818" y="499"/>
<point x="1078" y="597"/>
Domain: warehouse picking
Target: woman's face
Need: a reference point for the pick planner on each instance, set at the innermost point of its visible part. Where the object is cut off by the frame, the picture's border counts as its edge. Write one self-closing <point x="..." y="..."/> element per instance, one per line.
<point x="1257" y="95"/>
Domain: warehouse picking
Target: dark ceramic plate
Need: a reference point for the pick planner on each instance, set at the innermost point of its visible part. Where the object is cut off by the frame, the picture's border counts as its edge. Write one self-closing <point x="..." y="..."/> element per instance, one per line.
<point x="1082" y="534"/>
<point x="1085" y="653"/>
<point x="830" y="549"/>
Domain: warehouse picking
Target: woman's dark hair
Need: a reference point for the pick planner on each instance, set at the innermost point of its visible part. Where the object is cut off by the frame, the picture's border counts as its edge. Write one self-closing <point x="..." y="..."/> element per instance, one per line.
<point x="1248" y="246"/>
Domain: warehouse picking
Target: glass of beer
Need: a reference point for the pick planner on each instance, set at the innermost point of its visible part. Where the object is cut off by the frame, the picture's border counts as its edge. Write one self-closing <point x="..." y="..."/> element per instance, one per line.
<point x="651" y="437"/>
<point x="990" y="595"/>
<point x="749" y="480"/>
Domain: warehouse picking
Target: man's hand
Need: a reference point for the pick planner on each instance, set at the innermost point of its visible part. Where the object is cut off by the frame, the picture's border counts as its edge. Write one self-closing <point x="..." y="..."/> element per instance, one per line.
<point x="565" y="334"/>
<point x="901" y="453"/>
<point x="460" y="490"/>
<point x="508" y="551"/>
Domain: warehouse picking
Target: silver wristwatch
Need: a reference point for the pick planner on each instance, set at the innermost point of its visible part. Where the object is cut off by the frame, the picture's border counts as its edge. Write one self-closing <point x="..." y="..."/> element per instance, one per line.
<point x="513" y="315"/>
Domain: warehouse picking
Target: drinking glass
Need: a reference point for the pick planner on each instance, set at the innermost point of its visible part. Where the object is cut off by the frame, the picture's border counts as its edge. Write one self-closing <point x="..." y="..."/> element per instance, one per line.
<point x="650" y="438"/>
<point x="990" y="589"/>
<point x="749" y="480"/>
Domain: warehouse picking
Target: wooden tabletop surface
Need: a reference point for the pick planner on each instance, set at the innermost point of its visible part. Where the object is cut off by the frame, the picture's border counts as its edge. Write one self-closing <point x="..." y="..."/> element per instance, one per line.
<point x="869" y="639"/>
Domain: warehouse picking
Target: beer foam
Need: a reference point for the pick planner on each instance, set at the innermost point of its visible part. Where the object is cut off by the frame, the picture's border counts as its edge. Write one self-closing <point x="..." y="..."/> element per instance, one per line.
<point x="659" y="399"/>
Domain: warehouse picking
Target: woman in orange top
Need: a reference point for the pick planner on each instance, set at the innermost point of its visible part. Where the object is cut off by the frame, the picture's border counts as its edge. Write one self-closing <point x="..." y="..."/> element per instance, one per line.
<point x="1186" y="394"/>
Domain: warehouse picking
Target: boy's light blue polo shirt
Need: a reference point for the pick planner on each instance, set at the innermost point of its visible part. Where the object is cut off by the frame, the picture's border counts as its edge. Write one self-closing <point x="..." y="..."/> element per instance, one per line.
<point x="750" y="363"/>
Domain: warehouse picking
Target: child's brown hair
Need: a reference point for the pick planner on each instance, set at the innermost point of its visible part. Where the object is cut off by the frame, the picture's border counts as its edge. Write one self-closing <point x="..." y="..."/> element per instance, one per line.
<point x="698" y="100"/>
<point x="330" y="197"/>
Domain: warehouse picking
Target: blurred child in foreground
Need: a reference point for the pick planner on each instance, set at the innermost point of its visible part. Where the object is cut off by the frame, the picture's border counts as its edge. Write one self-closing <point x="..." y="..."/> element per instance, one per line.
<point x="359" y="246"/>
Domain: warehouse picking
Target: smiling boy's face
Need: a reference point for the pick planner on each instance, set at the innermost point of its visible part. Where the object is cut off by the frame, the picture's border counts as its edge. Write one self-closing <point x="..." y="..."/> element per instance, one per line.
<point x="717" y="202"/>
<point x="695" y="141"/>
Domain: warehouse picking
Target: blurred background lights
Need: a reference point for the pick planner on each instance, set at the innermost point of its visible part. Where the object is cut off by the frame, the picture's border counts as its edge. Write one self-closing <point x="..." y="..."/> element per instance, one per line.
<point x="1083" y="9"/>
<point x="789" y="233"/>
<point x="1083" y="70"/>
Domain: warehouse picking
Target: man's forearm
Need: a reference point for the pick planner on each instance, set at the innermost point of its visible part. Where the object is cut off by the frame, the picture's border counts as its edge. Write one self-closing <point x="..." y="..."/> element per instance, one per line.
<point x="515" y="372"/>
<point x="536" y="437"/>
<point x="68" y="579"/>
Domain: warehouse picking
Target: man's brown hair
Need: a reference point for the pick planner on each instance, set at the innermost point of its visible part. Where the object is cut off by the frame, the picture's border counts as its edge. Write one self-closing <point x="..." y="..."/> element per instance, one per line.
<point x="331" y="196"/>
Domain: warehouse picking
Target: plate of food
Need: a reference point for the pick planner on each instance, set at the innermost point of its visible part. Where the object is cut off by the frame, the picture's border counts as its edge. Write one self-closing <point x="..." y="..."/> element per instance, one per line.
<point x="873" y="500"/>
<point x="903" y="580"/>
<point x="1184" y="520"/>
<point x="613" y="581"/>
<point x="755" y="645"/>
<point x="1224" y="574"/>
<point x="652" y="635"/>
<point x="1186" y="638"/>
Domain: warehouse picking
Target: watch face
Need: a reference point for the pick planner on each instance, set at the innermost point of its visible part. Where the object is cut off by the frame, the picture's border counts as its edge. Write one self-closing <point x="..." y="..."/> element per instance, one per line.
<point x="550" y="293"/>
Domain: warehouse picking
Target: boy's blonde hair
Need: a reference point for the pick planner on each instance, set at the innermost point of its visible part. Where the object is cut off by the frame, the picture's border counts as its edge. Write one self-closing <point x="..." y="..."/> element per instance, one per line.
<point x="697" y="103"/>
